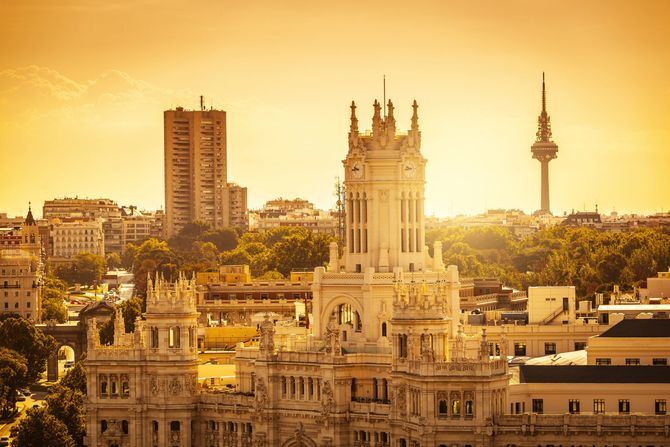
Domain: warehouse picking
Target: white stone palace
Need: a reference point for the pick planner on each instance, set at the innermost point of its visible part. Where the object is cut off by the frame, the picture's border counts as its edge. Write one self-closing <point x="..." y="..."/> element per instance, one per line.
<point x="387" y="361"/>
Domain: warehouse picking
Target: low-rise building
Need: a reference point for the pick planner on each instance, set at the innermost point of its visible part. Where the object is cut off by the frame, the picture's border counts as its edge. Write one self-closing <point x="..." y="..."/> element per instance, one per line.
<point x="20" y="287"/>
<point x="68" y="239"/>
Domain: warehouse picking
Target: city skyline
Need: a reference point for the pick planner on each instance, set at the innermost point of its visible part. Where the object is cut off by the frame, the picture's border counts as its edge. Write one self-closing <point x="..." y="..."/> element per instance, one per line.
<point x="66" y="106"/>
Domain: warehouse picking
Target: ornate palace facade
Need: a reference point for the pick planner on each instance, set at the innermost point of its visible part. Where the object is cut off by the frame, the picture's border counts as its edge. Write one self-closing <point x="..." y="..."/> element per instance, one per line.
<point x="387" y="362"/>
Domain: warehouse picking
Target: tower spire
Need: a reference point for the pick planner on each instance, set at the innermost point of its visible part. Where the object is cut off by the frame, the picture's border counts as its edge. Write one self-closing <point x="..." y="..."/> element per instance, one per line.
<point x="376" y="120"/>
<point x="354" y="121"/>
<point x="30" y="220"/>
<point x="390" y="121"/>
<point x="543" y="121"/>
<point x="415" y="116"/>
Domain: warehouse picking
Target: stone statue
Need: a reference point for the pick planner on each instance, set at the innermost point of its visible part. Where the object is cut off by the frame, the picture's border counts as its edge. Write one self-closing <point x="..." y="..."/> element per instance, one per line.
<point x="267" y="332"/>
<point x="261" y="395"/>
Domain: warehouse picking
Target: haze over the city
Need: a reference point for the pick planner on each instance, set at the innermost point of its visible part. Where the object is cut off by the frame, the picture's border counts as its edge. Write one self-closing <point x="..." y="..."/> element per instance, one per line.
<point x="83" y="87"/>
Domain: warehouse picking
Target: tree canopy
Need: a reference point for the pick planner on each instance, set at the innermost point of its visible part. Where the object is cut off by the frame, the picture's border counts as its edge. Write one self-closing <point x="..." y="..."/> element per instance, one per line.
<point x="28" y="341"/>
<point x="40" y="428"/>
<point x="589" y="259"/>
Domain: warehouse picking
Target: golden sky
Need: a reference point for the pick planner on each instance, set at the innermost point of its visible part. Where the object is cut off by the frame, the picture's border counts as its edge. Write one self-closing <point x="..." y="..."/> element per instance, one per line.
<point x="83" y="85"/>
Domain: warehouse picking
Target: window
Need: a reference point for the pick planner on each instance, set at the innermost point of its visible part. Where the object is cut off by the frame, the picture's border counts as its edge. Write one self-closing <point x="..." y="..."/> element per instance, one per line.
<point x="519" y="349"/>
<point x="660" y="406"/>
<point x="549" y="348"/>
<point x="580" y="345"/>
<point x="264" y="296"/>
<point x="538" y="406"/>
<point x="173" y="337"/>
<point x="603" y="362"/>
<point x="660" y="361"/>
<point x="456" y="408"/>
<point x="442" y="408"/>
<point x="624" y="406"/>
<point x="174" y="426"/>
<point x="384" y="329"/>
<point x="632" y="362"/>
<point x="573" y="406"/>
<point x="103" y="426"/>
<point x="154" y="337"/>
<point x="469" y="408"/>
<point x="124" y="427"/>
<point x="598" y="405"/>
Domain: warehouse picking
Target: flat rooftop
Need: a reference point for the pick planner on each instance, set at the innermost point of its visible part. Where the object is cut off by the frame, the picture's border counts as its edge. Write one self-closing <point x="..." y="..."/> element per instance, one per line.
<point x="593" y="374"/>
<point x="644" y="328"/>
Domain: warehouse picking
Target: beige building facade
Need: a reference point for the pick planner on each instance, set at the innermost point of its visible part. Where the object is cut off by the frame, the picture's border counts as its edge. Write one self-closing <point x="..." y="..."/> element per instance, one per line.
<point x="386" y="363"/>
<point x="68" y="239"/>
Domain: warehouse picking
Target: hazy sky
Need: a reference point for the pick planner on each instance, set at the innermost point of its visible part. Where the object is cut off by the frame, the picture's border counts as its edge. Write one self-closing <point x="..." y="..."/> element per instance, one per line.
<point x="83" y="85"/>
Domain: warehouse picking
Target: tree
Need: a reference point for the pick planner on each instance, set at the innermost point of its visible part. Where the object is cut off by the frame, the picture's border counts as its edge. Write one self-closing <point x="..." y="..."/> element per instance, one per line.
<point x="13" y="376"/>
<point x="130" y="310"/>
<point x="113" y="261"/>
<point x="31" y="343"/>
<point x="41" y="429"/>
<point x="153" y="256"/>
<point x="86" y="268"/>
<point x="53" y="296"/>
<point x="67" y="405"/>
<point x="224" y="239"/>
<point x="54" y="309"/>
<point x="75" y="378"/>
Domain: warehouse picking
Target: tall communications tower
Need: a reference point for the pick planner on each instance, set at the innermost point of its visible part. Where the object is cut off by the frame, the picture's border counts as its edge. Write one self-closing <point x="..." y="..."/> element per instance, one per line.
<point x="544" y="150"/>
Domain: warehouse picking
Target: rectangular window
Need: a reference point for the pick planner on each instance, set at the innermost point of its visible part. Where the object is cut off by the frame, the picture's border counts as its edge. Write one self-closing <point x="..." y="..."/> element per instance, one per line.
<point x="624" y="406"/>
<point x="632" y="362"/>
<point x="549" y="348"/>
<point x="519" y="349"/>
<point x="573" y="406"/>
<point x="660" y="361"/>
<point x="580" y="345"/>
<point x="603" y="362"/>
<point x="538" y="406"/>
<point x="660" y="406"/>
<point x="598" y="405"/>
<point x="264" y="296"/>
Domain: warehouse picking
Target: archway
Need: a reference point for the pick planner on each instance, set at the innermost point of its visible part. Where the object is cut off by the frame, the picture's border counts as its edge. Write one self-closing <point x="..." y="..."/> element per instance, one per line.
<point x="66" y="358"/>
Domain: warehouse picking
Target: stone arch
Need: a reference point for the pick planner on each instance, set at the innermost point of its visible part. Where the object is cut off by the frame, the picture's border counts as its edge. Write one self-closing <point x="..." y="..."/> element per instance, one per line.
<point x="52" y="361"/>
<point x="334" y="303"/>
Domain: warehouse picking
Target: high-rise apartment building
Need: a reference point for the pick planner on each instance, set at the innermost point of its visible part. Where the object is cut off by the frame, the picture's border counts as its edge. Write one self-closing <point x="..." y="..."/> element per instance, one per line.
<point x="196" y="182"/>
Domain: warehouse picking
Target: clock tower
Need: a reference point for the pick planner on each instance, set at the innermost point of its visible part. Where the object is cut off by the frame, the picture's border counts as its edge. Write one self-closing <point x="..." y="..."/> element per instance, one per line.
<point x="384" y="184"/>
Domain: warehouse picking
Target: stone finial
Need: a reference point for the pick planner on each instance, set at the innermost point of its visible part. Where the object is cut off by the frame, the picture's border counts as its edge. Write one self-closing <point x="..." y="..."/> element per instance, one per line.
<point x="376" y="120"/>
<point x="354" y="121"/>
<point x="333" y="260"/>
<point x="438" y="262"/>
<point x="267" y="331"/>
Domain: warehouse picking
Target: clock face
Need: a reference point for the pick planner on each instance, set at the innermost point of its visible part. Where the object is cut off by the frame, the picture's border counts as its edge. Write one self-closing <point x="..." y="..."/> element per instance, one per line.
<point x="357" y="170"/>
<point x="409" y="169"/>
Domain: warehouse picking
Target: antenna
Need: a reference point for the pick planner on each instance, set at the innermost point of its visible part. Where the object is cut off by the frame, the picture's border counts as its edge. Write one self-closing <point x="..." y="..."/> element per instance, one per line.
<point x="384" y="96"/>
<point x="202" y="102"/>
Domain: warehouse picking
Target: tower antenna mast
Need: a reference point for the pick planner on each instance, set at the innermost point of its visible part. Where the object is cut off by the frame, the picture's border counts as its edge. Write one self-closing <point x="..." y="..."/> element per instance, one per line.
<point x="384" y="102"/>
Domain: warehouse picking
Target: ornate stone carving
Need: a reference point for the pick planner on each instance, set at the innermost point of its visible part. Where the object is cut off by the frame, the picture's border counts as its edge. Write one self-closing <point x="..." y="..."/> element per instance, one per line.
<point x="261" y="399"/>
<point x="384" y="195"/>
<point x="154" y="386"/>
<point x="332" y="337"/>
<point x="174" y="386"/>
<point x="327" y="401"/>
<point x="401" y="400"/>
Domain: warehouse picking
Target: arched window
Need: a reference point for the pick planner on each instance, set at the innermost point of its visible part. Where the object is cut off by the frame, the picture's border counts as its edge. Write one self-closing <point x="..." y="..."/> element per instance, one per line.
<point x="124" y="427"/>
<point x="103" y="386"/>
<point x="174" y="426"/>
<point x="283" y="386"/>
<point x="154" y="426"/>
<point x="443" y="408"/>
<point x="345" y="314"/>
<point x="384" y="329"/>
<point x="469" y="408"/>
<point x="310" y="388"/>
<point x="292" y="386"/>
<point x="456" y="408"/>
<point x="114" y="386"/>
<point x="385" y="390"/>
<point x="154" y="337"/>
<point x="375" y="391"/>
<point x="301" y="389"/>
<point x="173" y="340"/>
<point x="125" y="386"/>
<point x="103" y="426"/>
<point x="353" y="389"/>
